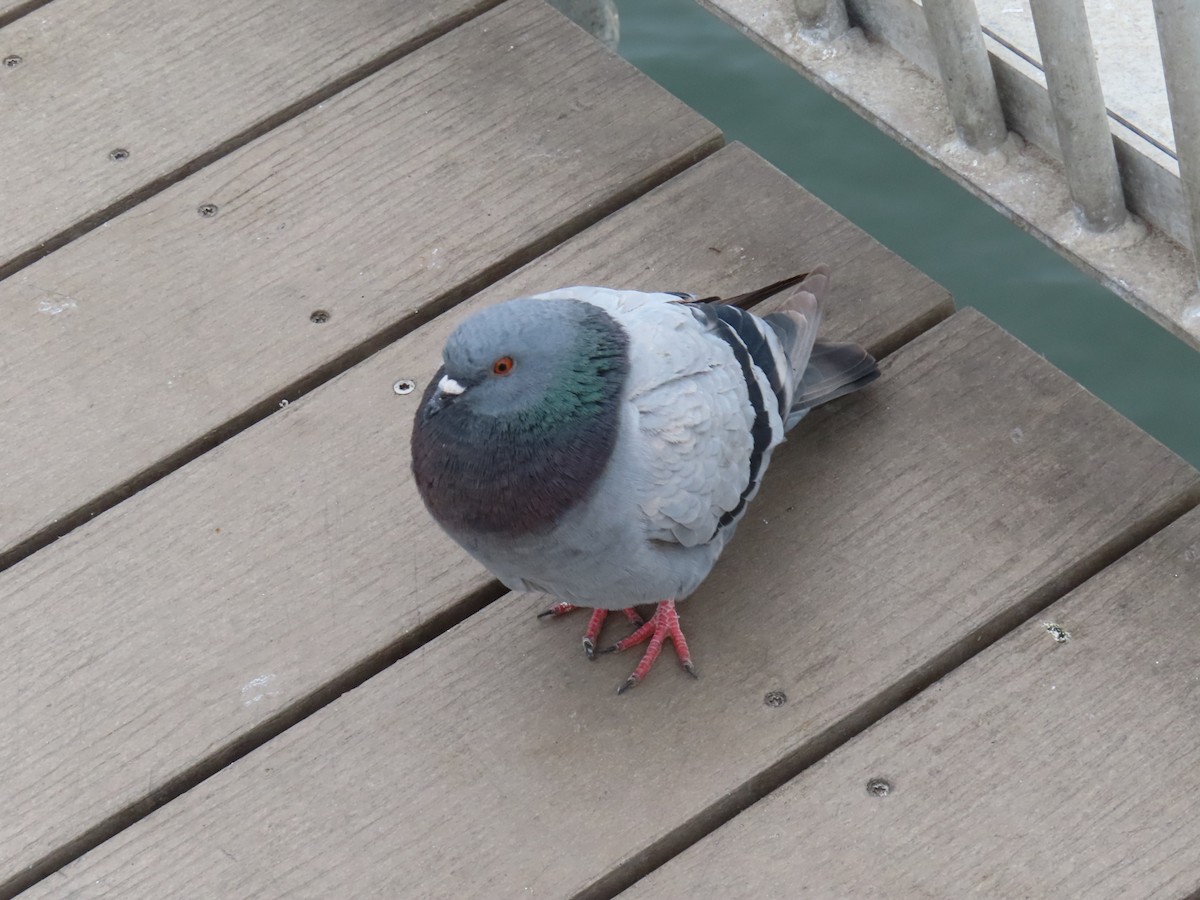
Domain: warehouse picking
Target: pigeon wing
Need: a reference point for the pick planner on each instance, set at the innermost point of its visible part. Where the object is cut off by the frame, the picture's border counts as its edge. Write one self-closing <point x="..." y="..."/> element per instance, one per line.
<point x="707" y="412"/>
<point x="711" y="385"/>
<point x="748" y="391"/>
<point x="695" y="439"/>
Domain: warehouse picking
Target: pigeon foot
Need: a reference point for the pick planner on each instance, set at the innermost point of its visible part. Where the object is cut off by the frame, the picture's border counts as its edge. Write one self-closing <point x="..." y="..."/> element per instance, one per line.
<point x="662" y="625"/>
<point x="592" y="634"/>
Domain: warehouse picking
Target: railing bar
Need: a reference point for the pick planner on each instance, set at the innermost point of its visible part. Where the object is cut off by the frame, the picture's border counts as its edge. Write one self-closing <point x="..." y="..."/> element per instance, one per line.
<point x="966" y="72"/>
<point x="827" y="17"/>
<point x="1073" y="80"/>
<point x="1179" y="41"/>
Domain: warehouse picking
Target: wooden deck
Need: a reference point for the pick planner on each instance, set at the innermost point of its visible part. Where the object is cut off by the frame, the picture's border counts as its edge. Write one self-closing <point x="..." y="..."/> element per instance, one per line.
<point x="237" y="658"/>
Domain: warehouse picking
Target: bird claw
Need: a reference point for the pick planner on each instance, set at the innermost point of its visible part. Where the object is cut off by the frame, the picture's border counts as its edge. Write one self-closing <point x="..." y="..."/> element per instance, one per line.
<point x="663" y="625"/>
<point x="558" y="609"/>
<point x="592" y="634"/>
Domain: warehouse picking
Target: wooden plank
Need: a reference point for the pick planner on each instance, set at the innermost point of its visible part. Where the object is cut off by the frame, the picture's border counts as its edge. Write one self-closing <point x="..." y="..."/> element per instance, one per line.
<point x="171" y="89"/>
<point x="225" y="600"/>
<point x="972" y="482"/>
<point x="1039" y="769"/>
<point x="148" y="341"/>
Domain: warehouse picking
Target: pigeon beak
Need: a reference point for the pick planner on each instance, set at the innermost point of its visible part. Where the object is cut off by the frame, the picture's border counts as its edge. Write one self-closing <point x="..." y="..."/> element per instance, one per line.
<point x="448" y="390"/>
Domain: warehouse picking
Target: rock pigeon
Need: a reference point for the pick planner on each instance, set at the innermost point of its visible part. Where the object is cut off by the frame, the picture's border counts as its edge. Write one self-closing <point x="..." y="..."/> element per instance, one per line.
<point x="601" y="445"/>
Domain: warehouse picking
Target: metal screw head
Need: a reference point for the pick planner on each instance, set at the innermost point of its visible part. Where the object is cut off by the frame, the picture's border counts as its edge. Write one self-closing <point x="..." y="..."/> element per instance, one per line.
<point x="879" y="787"/>
<point x="319" y="317"/>
<point x="404" y="386"/>
<point x="775" y="699"/>
<point x="118" y="155"/>
<point x="12" y="61"/>
<point x="1060" y="634"/>
<point x="208" y="210"/>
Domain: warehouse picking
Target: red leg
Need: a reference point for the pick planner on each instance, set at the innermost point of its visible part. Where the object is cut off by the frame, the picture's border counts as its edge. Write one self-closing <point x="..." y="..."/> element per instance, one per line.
<point x="663" y="624"/>
<point x="593" y="631"/>
<point x="592" y="634"/>
<point x="634" y="617"/>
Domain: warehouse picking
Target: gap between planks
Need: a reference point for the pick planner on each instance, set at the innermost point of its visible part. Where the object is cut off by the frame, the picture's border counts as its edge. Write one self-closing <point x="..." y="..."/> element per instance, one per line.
<point x="280" y="117"/>
<point x="8" y="16"/>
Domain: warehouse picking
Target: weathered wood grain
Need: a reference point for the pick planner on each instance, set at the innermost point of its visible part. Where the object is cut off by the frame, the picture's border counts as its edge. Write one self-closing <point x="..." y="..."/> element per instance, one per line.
<point x="211" y="608"/>
<point x="147" y="341"/>
<point x="1039" y="769"/>
<point x="170" y="83"/>
<point x="971" y="483"/>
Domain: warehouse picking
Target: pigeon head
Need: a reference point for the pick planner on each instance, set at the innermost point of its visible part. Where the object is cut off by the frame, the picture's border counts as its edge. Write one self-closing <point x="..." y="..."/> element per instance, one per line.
<point x="517" y="356"/>
<point x="519" y="422"/>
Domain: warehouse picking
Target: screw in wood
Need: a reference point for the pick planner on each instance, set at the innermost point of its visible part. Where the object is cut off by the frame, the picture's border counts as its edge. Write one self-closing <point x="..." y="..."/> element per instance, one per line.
<point x="404" y="386"/>
<point x="118" y="155"/>
<point x="208" y="210"/>
<point x="879" y="787"/>
<point x="319" y="317"/>
<point x="12" y="61"/>
<point x="1060" y="634"/>
<point x="775" y="699"/>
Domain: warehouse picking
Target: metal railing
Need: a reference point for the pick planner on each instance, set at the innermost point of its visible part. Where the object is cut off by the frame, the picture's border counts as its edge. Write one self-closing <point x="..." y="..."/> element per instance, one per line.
<point x="1080" y="116"/>
<point x="1179" y="42"/>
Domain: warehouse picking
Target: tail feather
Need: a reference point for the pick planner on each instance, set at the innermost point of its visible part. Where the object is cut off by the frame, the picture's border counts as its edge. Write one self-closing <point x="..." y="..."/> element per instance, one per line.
<point x="791" y="309"/>
<point x="833" y="371"/>
<point x="796" y="318"/>
<point x="823" y="370"/>
<point x="758" y="295"/>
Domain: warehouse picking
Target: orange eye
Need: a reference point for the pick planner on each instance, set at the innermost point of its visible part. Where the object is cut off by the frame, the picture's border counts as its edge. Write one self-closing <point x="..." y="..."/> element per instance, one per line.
<point x="503" y="365"/>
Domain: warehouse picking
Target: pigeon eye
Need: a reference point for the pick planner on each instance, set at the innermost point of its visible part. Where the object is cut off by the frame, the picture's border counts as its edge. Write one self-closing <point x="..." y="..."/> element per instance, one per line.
<point x="502" y="366"/>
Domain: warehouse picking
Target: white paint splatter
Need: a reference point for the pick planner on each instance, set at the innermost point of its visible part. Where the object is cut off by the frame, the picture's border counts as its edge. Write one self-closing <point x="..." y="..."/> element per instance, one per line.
<point x="54" y="307"/>
<point x="256" y="689"/>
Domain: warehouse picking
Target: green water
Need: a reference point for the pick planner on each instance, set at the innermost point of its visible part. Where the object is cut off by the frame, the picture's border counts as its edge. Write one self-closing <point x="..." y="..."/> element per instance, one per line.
<point x="983" y="259"/>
